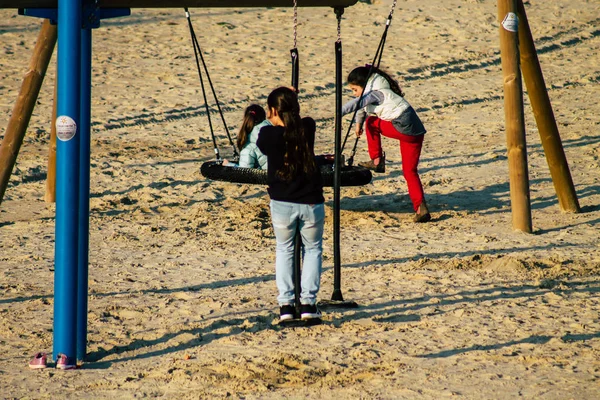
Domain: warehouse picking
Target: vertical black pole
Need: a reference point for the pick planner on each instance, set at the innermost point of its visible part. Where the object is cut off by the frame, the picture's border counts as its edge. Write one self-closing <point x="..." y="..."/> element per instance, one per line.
<point x="297" y="269"/>
<point x="337" y="299"/>
<point x="337" y="277"/>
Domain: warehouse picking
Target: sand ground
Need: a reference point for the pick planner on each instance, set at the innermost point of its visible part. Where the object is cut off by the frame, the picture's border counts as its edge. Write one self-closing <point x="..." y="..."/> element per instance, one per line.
<point x="181" y="269"/>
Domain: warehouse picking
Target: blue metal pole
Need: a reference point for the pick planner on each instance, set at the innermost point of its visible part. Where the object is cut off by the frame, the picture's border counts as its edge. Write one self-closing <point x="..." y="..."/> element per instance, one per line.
<point x="67" y="178"/>
<point x="84" y="190"/>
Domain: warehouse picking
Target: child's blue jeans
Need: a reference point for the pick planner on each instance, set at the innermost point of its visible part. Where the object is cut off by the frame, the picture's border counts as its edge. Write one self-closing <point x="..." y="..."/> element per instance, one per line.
<point x="310" y="218"/>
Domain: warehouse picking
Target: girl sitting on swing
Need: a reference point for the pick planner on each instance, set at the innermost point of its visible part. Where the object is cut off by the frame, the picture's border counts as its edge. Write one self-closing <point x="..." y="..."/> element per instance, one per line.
<point x="250" y="154"/>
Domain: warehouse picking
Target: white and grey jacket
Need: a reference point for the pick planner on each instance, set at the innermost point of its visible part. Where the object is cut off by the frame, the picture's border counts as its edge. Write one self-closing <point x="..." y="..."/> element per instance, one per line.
<point x="380" y="100"/>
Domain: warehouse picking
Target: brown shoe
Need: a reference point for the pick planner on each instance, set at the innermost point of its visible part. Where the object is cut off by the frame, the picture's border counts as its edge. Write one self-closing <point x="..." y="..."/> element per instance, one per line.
<point x="422" y="214"/>
<point x="379" y="168"/>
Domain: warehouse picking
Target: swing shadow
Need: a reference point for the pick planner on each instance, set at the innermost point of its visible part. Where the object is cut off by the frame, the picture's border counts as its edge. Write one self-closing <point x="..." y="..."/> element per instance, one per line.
<point x="401" y="307"/>
<point x="204" y="335"/>
<point x="471" y="296"/>
<point x="378" y="312"/>
<point x="420" y="73"/>
<point x="153" y="185"/>
<point x="484" y="200"/>
<point x="270" y="277"/>
<point x="491" y="199"/>
<point x="371" y="263"/>
<point x="545" y="44"/>
<point x="489" y="194"/>
<point x="193" y="288"/>
<point x="584" y="141"/>
<point x="127" y="201"/>
<point x="535" y="339"/>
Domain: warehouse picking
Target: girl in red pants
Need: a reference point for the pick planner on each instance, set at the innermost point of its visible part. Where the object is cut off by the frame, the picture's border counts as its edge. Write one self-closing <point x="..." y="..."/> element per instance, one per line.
<point x="392" y="116"/>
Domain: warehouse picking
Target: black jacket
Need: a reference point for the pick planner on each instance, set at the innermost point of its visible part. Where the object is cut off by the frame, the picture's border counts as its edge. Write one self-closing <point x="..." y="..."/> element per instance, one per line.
<point x="303" y="189"/>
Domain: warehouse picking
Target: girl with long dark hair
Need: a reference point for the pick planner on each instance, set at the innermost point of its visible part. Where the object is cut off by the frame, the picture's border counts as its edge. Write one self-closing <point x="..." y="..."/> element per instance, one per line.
<point x="297" y="203"/>
<point x="250" y="156"/>
<point x="390" y="115"/>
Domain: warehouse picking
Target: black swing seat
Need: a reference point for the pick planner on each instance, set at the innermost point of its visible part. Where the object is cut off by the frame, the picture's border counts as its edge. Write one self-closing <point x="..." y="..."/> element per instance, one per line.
<point x="349" y="175"/>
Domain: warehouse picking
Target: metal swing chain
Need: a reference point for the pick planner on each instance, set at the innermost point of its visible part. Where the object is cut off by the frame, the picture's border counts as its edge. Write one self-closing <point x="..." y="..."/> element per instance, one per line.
<point x="392" y="10"/>
<point x="338" y="160"/>
<point x="295" y="23"/>
<point x="294" y="51"/>
<point x="339" y="26"/>
<point x="387" y="25"/>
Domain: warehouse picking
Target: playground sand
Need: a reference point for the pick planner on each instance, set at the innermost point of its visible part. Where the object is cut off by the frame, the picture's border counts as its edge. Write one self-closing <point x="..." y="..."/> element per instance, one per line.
<point x="181" y="269"/>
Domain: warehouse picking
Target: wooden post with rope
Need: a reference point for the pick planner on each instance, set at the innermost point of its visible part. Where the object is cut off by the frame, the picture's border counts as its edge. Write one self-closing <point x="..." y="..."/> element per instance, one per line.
<point x="21" y="114"/>
<point x="544" y="117"/>
<point x="514" y="116"/>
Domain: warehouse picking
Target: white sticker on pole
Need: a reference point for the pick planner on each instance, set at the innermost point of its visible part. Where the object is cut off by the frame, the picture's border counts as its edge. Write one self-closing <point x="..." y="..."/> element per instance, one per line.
<point x="511" y="22"/>
<point x="65" y="128"/>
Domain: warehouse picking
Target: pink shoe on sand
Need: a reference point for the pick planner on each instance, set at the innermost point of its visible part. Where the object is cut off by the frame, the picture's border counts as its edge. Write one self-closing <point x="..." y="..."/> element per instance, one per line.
<point x="64" y="362"/>
<point x="39" y="361"/>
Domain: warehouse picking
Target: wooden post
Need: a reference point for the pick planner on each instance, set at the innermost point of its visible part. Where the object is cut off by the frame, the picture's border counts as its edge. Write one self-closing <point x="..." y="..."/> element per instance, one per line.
<point x="50" y="196"/>
<point x="514" y="116"/>
<point x="30" y="89"/>
<point x="544" y="117"/>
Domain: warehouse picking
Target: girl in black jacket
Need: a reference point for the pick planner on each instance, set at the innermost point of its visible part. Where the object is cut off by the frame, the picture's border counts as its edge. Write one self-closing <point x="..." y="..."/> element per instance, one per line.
<point x="296" y="191"/>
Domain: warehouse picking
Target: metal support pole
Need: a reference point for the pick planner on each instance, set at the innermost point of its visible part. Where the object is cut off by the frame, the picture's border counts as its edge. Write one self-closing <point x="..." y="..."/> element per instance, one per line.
<point x="84" y="191"/>
<point x="67" y="179"/>
<point x="337" y="299"/>
<point x="337" y="273"/>
<point x="297" y="269"/>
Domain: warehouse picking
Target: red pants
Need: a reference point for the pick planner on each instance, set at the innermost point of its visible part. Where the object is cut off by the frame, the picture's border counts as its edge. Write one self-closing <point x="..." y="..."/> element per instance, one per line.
<point x="410" y="150"/>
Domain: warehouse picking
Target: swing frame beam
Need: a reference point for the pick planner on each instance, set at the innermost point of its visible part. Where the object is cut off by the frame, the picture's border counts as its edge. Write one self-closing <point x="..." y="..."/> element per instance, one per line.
<point x="182" y="3"/>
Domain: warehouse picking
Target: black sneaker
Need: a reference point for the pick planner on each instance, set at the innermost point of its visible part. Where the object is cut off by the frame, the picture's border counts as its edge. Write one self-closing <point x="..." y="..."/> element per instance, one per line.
<point x="287" y="312"/>
<point x="308" y="311"/>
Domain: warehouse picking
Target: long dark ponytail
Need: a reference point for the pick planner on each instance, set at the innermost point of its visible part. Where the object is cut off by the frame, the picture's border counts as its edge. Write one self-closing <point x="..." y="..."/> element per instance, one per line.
<point x="253" y="115"/>
<point x="359" y="75"/>
<point x="298" y="156"/>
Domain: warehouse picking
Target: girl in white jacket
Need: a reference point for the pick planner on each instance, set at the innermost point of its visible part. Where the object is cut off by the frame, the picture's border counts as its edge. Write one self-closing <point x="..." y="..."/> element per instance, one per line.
<point x="384" y="111"/>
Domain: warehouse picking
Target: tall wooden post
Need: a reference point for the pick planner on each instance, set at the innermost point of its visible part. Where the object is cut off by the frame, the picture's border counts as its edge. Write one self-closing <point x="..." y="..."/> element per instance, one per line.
<point x="514" y="116"/>
<point x="21" y="114"/>
<point x="50" y="196"/>
<point x="544" y="117"/>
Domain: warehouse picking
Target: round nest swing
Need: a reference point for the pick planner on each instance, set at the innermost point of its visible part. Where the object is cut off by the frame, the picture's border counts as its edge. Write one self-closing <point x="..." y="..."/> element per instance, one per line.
<point x="349" y="175"/>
